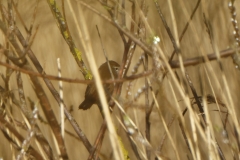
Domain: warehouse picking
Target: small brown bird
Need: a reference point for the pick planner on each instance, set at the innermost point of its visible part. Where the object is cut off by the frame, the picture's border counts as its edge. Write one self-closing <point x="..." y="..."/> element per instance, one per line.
<point x="91" y="94"/>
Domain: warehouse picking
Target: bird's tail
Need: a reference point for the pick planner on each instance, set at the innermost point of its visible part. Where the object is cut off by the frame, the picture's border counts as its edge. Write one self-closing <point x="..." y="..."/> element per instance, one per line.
<point x="86" y="104"/>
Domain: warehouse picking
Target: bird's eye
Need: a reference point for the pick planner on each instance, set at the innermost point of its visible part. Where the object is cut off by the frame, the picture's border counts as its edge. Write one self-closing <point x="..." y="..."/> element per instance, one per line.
<point x="116" y="69"/>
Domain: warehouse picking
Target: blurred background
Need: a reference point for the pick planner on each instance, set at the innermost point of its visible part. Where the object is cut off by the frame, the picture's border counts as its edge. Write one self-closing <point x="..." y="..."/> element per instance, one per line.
<point x="218" y="78"/>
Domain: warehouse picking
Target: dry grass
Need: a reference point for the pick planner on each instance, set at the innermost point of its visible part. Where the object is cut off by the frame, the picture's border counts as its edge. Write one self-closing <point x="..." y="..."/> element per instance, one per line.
<point x="167" y="106"/>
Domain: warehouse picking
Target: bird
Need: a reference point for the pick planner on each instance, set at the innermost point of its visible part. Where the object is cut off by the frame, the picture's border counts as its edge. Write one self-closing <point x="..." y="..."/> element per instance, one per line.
<point x="91" y="94"/>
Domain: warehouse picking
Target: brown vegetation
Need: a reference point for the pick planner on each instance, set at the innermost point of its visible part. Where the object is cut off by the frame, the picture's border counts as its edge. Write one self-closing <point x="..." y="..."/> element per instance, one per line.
<point x="176" y="96"/>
